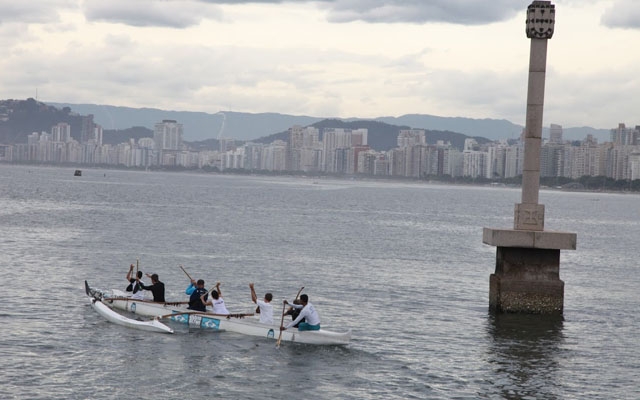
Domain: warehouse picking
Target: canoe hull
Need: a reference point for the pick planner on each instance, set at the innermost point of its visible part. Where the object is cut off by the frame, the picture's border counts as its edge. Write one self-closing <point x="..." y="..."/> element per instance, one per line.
<point x="112" y="316"/>
<point x="246" y="326"/>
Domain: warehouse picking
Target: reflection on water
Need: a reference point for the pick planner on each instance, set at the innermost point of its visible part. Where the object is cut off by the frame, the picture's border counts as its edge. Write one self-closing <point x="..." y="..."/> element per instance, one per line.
<point x="523" y="351"/>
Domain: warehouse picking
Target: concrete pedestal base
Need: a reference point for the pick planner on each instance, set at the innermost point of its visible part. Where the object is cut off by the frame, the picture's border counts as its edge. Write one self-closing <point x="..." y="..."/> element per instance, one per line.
<point x="526" y="281"/>
<point x="527" y="275"/>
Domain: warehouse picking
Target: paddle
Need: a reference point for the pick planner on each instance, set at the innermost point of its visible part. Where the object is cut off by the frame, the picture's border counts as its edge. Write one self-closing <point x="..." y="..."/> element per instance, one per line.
<point x="213" y="288"/>
<point x="124" y="298"/>
<point x="205" y="314"/>
<point x="186" y="273"/>
<point x="298" y="295"/>
<point x="281" y="325"/>
<point x="209" y="292"/>
<point x="282" y="319"/>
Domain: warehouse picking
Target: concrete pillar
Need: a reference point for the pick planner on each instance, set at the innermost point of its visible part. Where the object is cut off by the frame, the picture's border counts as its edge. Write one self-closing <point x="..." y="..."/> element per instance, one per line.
<point x="529" y="215"/>
<point x="527" y="275"/>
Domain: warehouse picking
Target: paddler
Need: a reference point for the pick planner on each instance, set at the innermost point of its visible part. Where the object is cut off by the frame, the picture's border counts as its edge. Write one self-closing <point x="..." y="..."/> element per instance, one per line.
<point x="216" y="302"/>
<point x="135" y="286"/>
<point x="198" y="297"/>
<point x="308" y="313"/>
<point x="294" y="312"/>
<point x="156" y="287"/>
<point x="266" y="309"/>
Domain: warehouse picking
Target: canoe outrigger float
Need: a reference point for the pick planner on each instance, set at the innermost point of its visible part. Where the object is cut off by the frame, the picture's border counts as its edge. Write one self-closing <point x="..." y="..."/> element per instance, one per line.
<point x="116" y="318"/>
<point x="246" y="324"/>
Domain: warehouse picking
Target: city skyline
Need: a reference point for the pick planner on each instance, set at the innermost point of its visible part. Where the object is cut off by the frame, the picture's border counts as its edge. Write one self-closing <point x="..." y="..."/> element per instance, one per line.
<point x="342" y="151"/>
<point x="344" y="60"/>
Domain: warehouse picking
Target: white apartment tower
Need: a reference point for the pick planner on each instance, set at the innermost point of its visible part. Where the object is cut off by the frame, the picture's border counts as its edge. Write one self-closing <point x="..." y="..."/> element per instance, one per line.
<point x="167" y="135"/>
<point x="624" y="136"/>
<point x="61" y="132"/>
<point x="226" y="144"/>
<point x="411" y="137"/>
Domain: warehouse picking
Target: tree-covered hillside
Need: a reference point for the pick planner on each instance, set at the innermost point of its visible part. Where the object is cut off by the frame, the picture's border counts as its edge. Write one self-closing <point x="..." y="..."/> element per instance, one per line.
<point x="20" y="118"/>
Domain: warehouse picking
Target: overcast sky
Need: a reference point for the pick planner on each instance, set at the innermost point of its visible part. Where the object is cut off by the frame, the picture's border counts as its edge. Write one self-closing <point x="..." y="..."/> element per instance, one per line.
<point x="333" y="58"/>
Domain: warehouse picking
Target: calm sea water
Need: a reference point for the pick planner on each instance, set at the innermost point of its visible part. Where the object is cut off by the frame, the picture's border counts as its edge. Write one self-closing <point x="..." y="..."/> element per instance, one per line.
<point x="401" y="264"/>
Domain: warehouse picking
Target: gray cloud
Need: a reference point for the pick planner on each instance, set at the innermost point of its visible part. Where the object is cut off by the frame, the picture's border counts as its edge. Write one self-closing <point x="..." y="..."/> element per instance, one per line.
<point x="465" y="12"/>
<point x="182" y="13"/>
<point x="141" y="13"/>
<point x="622" y="14"/>
<point x="27" y="12"/>
<point x="236" y="2"/>
<point x="569" y="99"/>
<point x="8" y="35"/>
<point x="478" y="94"/>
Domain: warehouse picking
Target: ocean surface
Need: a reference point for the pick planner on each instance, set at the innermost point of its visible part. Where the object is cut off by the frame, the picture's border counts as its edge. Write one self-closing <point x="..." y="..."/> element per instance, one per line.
<point x="401" y="264"/>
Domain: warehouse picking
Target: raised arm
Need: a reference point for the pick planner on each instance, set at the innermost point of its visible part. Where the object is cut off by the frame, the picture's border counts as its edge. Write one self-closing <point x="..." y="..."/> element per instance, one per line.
<point x="218" y="289"/>
<point x="129" y="273"/>
<point x="254" y="298"/>
<point x="191" y="288"/>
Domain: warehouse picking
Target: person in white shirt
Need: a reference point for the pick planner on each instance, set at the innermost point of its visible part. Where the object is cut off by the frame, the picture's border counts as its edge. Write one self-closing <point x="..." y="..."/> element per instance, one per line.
<point x="266" y="309"/>
<point x="216" y="302"/>
<point x="135" y="286"/>
<point x="308" y="313"/>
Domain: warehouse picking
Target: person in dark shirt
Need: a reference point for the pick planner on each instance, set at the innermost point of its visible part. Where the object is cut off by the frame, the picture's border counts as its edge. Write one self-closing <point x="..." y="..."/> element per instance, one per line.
<point x="156" y="287"/>
<point x="294" y="312"/>
<point x="196" y="299"/>
<point x="135" y="284"/>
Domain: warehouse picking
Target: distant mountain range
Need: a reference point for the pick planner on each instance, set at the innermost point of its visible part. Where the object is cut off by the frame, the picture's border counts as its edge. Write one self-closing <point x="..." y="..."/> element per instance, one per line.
<point x="19" y="118"/>
<point x="381" y="136"/>
<point x="197" y="125"/>
<point x="200" y="126"/>
<point x="118" y="122"/>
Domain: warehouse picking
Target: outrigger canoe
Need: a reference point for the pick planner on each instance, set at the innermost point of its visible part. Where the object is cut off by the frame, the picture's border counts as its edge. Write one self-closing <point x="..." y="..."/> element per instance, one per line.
<point x="116" y="318"/>
<point x="246" y="324"/>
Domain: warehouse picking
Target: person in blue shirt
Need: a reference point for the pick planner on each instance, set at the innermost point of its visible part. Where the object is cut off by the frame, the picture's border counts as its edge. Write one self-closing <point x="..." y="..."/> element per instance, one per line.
<point x="197" y="296"/>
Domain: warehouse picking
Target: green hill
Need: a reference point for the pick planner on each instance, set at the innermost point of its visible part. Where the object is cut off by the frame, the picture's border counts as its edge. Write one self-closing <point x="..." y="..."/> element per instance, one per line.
<point x="20" y="118"/>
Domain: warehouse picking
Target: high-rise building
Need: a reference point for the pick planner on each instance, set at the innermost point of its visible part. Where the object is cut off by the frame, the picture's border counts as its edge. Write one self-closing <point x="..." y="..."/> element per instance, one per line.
<point x="555" y="133"/>
<point x="294" y="145"/>
<point x="61" y="132"/>
<point x="226" y="144"/>
<point x="303" y="149"/>
<point x="87" y="129"/>
<point x="624" y="136"/>
<point x="97" y="134"/>
<point x="359" y="137"/>
<point x="334" y="141"/>
<point x="411" y="137"/>
<point x="167" y="135"/>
